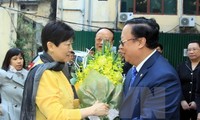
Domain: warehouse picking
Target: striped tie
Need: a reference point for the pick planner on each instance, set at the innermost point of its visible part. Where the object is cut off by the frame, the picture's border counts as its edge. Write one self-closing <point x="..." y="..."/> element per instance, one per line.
<point x="134" y="73"/>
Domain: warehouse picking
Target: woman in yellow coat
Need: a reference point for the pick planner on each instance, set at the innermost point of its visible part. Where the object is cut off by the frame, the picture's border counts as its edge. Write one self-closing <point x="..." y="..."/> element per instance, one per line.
<point x="47" y="93"/>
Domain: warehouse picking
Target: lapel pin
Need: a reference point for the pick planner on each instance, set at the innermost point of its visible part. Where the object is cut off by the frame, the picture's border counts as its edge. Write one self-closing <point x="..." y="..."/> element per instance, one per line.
<point x="141" y="75"/>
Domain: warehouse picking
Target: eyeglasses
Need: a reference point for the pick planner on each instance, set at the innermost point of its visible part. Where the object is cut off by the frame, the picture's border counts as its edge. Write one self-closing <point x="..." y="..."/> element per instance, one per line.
<point x="192" y="49"/>
<point x="123" y="41"/>
<point x="100" y="39"/>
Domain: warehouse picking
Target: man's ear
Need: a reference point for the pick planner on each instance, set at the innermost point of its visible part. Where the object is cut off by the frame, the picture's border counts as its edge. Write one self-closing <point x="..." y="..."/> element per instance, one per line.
<point x="142" y="42"/>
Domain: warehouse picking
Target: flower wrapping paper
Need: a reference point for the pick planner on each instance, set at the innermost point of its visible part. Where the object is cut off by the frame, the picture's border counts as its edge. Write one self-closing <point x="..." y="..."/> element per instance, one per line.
<point x="97" y="87"/>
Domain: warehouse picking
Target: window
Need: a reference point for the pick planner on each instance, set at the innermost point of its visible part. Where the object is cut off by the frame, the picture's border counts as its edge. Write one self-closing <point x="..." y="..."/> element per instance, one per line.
<point x="191" y="7"/>
<point x="141" y="6"/>
<point x="156" y="6"/>
<point x="126" y="5"/>
<point x="168" y="7"/>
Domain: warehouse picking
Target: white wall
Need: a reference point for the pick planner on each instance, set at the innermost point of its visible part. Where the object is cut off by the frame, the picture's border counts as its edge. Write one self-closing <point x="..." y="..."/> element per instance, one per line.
<point x="7" y="31"/>
<point x="88" y="12"/>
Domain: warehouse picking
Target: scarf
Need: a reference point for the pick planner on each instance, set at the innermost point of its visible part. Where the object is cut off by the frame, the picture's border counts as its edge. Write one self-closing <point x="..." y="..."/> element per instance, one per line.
<point x="28" y="109"/>
<point x="20" y="73"/>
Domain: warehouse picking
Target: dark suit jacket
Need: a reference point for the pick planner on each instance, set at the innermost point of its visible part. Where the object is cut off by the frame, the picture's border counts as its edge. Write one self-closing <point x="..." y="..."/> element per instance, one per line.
<point x="155" y="94"/>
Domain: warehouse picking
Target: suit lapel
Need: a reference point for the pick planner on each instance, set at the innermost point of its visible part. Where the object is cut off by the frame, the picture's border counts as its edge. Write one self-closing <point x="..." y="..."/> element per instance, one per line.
<point x="143" y="71"/>
<point x="127" y="81"/>
<point x="139" y="77"/>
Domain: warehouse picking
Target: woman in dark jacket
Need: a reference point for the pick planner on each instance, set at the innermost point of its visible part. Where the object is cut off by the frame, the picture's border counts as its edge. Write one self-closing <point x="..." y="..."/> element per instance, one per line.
<point x="189" y="75"/>
<point x="197" y="98"/>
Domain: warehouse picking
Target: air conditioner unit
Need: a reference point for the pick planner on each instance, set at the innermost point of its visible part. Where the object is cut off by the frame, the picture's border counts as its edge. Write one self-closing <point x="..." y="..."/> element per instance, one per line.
<point x="124" y="16"/>
<point x="187" y="21"/>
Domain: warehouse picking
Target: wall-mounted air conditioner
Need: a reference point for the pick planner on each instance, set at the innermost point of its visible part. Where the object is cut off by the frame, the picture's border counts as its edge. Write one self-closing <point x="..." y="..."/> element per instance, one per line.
<point x="124" y="16"/>
<point x="187" y="21"/>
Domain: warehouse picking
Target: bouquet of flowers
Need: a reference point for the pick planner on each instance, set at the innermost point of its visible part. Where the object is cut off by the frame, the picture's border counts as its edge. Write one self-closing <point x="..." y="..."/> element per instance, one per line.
<point x="100" y="78"/>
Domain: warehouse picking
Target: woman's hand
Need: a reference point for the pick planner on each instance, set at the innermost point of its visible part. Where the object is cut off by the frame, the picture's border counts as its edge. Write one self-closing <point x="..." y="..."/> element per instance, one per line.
<point x="193" y="105"/>
<point x="185" y="105"/>
<point x="97" y="109"/>
<point x="198" y="116"/>
<point x="100" y="109"/>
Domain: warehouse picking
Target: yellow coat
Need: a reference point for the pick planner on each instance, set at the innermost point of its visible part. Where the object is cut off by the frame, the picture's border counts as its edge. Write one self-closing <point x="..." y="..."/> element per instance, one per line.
<point x="55" y="98"/>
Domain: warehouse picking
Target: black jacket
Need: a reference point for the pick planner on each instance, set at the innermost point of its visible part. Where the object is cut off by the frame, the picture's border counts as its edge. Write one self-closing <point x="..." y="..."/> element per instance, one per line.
<point x="197" y="95"/>
<point x="188" y="78"/>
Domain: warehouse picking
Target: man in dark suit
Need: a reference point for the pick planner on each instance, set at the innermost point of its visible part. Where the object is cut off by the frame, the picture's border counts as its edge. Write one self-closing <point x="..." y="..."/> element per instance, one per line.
<point x="155" y="92"/>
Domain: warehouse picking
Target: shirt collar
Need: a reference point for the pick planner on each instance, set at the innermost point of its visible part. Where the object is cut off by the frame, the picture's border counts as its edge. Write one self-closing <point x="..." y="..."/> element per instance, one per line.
<point x="141" y="64"/>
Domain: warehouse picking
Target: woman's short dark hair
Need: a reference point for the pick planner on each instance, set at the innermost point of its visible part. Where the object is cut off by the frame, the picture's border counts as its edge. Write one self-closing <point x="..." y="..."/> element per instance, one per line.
<point x="148" y="28"/>
<point x="10" y="53"/>
<point x="56" y="32"/>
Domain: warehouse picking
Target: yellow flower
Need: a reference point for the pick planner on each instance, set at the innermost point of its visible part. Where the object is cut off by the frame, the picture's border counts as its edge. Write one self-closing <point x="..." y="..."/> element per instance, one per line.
<point x="106" y="63"/>
<point x="100" y="79"/>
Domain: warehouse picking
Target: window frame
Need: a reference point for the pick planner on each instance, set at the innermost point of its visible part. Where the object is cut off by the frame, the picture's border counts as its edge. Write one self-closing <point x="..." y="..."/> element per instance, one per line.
<point x="149" y="8"/>
<point x="197" y="8"/>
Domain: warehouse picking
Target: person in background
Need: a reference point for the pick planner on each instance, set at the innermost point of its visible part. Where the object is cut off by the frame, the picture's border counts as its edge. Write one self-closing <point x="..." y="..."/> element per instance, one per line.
<point x="0" y="110"/>
<point x="108" y="34"/>
<point x="12" y="78"/>
<point x="69" y="67"/>
<point x="103" y="34"/>
<point x="159" y="48"/>
<point x="189" y="75"/>
<point x="150" y="92"/>
<point x="71" y="62"/>
<point x="197" y="96"/>
<point x="36" y="58"/>
<point x="91" y="52"/>
<point x="47" y="93"/>
<point x="0" y="106"/>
